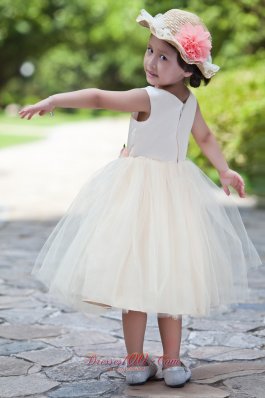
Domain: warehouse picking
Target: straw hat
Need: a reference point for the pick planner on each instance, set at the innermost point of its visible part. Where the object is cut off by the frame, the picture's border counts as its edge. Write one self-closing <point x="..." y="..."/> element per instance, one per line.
<point x="185" y="31"/>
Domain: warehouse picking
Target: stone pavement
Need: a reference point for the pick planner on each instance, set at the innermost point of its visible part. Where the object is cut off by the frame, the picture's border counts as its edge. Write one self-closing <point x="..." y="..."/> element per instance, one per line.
<point x="49" y="350"/>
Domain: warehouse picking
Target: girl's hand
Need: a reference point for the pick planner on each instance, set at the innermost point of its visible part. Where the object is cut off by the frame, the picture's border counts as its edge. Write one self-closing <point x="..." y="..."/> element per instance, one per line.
<point x="231" y="177"/>
<point x="41" y="108"/>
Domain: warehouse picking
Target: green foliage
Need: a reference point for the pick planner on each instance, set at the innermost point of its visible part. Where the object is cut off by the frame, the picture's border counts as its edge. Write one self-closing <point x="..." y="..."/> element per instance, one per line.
<point x="237" y="29"/>
<point x="7" y="140"/>
<point x="97" y="43"/>
<point x="233" y="105"/>
<point x="71" y="44"/>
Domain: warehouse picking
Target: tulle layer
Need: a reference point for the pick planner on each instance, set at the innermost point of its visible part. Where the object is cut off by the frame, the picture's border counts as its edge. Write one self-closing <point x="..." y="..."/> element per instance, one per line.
<point x="151" y="236"/>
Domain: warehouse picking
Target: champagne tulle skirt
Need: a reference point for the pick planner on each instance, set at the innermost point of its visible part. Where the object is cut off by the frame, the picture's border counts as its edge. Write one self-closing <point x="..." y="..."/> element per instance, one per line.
<point x="151" y="236"/>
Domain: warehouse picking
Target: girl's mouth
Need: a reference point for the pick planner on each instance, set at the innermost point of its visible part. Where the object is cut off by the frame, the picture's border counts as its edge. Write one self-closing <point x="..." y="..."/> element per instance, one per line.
<point x="149" y="74"/>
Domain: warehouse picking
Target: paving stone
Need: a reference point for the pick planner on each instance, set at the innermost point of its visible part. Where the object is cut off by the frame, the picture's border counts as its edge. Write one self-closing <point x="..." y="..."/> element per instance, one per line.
<point x="81" y="321"/>
<point x="159" y="389"/>
<point x="35" y="368"/>
<point x="7" y="302"/>
<point x="260" y="333"/>
<point x="257" y="294"/>
<point x="83" y="389"/>
<point x="239" y="315"/>
<point x="220" y="325"/>
<point x="47" y="356"/>
<point x="154" y="347"/>
<point x="252" y="306"/>
<point x="210" y="353"/>
<point x="14" y="386"/>
<point x="38" y="396"/>
<point x="80" y="338"/>
<point x="76" y="369"/>
<point x="17" y="276"/>
<point x="209" y="374"/>
<point x="10" y="366"/>
<point x="6" y="289"/>
<point x="251" y="386"/>
<point x="28" y="282"/>
<point x="23" y="332"/>
<point x="4" y="341"/>
<point x="151" y="334"/>
<point x="25" y="315"/>
<point x="46" y="299"/>
<point x="226" y="339"/>
<point x="18" y="255"/>
<point x="113" y="350"/>
<point x="13" y="347"/>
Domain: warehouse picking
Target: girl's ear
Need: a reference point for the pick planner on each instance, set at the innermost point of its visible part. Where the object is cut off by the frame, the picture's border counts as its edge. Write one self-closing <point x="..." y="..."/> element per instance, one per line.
<point x="187" y="74"/>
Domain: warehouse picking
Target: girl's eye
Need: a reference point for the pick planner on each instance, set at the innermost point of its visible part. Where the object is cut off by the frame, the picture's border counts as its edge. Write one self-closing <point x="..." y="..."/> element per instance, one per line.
<point x="149" y="50"/>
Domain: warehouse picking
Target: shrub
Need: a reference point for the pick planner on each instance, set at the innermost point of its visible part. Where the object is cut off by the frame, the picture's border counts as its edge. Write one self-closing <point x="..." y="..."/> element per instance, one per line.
<point x="233" y="105"/>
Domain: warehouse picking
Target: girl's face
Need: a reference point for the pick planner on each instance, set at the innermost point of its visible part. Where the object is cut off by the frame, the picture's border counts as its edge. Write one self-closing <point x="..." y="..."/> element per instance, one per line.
<point x="161" y="65"/>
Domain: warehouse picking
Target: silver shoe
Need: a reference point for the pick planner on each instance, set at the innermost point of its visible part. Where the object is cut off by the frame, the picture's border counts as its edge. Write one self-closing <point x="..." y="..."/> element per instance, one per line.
<point x="137" y="375"/>
<point x="176" y="376"/>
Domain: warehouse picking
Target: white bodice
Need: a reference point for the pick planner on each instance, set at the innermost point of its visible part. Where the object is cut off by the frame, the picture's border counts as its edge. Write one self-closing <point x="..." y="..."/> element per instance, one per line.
<point x="165" y="134"/>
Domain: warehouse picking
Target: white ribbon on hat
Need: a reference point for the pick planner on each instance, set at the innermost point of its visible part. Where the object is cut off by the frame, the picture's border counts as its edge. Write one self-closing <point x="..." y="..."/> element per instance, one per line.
<point x="157" y="22"/>
<point x="210" y="68"/>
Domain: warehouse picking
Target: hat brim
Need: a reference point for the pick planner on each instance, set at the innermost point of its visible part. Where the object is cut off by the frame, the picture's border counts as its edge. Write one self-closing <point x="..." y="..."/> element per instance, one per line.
<point x="207" y="73"/>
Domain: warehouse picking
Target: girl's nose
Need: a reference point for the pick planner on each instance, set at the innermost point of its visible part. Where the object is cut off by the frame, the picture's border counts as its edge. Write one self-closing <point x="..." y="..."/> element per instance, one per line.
<point x="152" y="64"/>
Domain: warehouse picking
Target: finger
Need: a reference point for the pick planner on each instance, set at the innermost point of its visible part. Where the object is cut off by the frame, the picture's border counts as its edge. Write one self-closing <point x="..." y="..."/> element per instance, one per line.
<point x="242" y="191"/>
<point x="226" y="189"/>
<point x="25" y="114"/>
<point x="235" y="182"/>
<point x="240" y="182"/>
<point x="25" y="110"/>
<point x="237" y="186"/>
<point x="32" y="113"/>
<point x="240" y="187"/>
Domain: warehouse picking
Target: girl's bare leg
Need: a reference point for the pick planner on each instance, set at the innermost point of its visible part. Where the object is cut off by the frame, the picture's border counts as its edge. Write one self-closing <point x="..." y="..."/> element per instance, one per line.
<point x="134" y="325"/>
<point x="170" y="332"/>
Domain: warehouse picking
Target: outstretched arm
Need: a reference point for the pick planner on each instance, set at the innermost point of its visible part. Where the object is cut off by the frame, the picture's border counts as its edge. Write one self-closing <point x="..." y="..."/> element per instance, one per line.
<point x="211" y="149"/>
<point x="135" y="100"/>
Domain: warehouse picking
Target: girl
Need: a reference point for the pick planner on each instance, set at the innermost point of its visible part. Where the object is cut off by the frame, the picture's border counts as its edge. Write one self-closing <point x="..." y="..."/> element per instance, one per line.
<point x="150" y="232"/>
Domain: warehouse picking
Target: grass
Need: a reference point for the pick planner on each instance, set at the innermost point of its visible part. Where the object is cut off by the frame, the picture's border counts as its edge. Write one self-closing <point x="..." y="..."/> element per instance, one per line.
<point x="16" y="131"/>
<point x="7" y="140"/>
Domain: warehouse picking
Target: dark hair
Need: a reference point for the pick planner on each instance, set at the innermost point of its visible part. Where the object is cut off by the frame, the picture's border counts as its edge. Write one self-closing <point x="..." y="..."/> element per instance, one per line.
<point x="195" y="79"/>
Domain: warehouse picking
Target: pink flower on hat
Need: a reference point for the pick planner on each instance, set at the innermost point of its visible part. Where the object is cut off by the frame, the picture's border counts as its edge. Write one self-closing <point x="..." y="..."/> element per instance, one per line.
<point x="195" y="42"/>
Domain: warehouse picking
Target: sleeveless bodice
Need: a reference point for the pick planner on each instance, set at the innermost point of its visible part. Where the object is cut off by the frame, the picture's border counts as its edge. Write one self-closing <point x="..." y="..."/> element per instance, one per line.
<point x="165" y="134"/>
